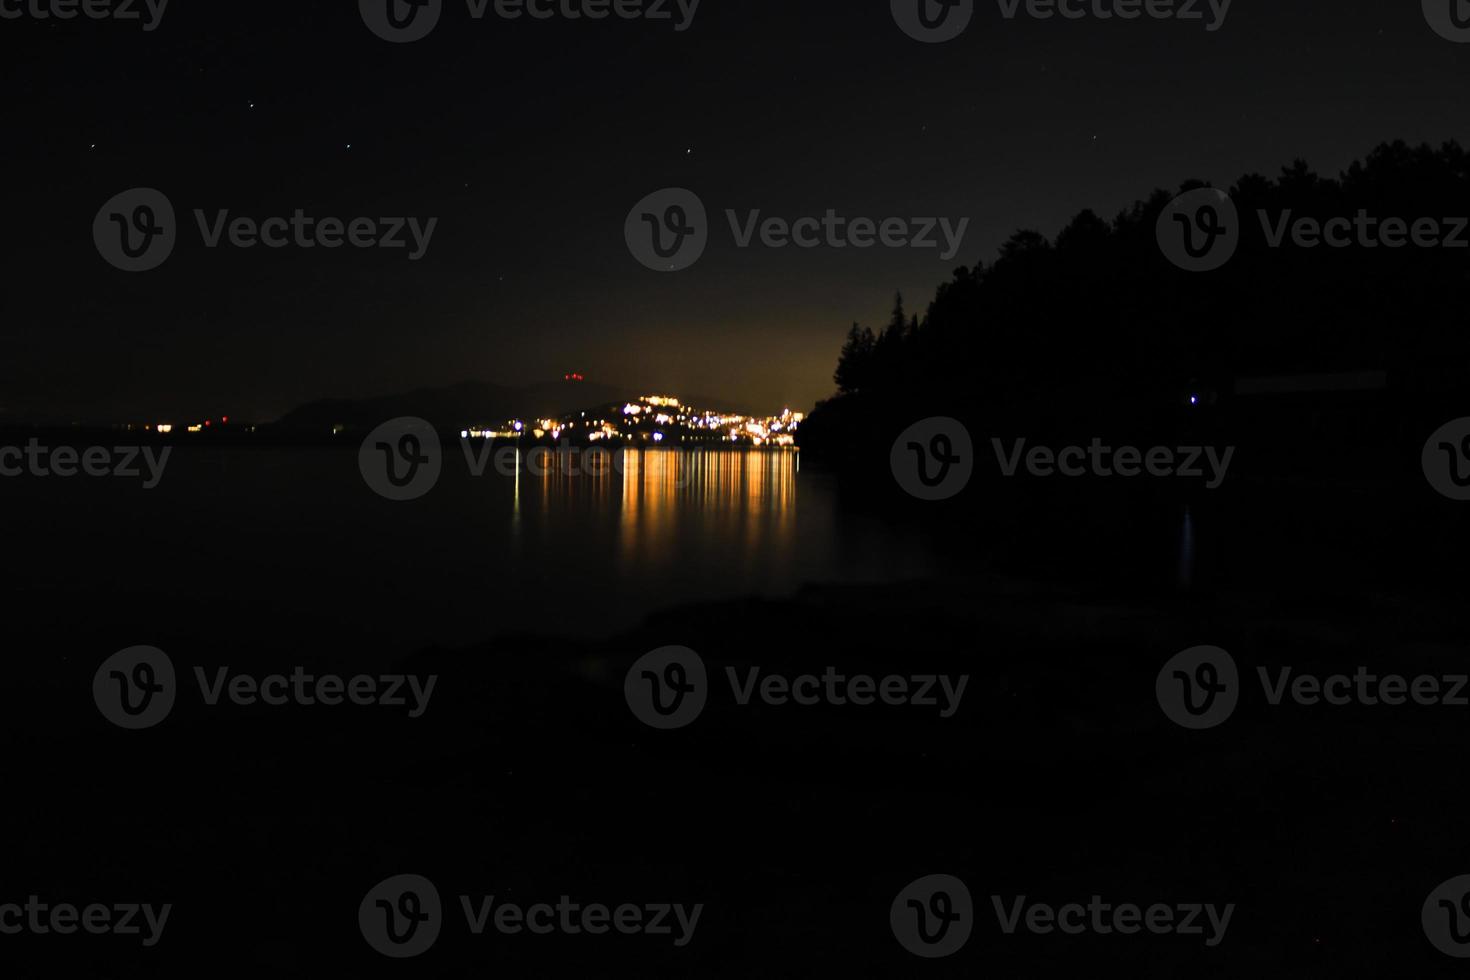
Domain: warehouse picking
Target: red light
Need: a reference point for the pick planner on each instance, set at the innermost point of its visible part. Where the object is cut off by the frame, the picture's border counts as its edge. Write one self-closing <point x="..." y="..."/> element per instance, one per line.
<point x="225" y="419"/>
<point x="206" y="423"/>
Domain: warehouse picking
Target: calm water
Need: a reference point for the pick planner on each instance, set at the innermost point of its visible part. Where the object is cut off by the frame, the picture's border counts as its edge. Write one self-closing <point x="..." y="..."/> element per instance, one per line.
<point x="289" y="549"/>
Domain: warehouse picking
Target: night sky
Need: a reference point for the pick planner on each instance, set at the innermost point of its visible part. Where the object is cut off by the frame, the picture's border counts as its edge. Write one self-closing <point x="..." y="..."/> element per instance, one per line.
<point x="531" y="140"/>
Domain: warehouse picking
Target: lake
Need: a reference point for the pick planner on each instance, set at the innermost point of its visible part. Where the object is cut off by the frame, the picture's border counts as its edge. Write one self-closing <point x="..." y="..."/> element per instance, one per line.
<point x="286" y="552"/>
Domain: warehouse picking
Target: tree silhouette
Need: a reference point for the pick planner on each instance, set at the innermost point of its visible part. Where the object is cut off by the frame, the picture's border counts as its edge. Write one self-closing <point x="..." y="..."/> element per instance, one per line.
<point x="1096" y="332"/>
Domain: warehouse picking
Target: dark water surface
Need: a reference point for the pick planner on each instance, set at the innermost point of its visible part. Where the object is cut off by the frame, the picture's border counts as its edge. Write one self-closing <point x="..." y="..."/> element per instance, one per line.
<point x="289" y="549"/>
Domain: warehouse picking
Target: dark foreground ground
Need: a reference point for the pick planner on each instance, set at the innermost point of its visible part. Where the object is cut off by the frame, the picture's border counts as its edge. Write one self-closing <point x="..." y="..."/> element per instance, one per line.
<point x="528" y="778"/>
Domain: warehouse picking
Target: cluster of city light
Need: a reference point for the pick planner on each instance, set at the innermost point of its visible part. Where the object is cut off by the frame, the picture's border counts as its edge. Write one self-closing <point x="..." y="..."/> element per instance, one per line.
<point x="655" y="413"/>
<point x="476" y="433"/>
<point x="164" y="428"/>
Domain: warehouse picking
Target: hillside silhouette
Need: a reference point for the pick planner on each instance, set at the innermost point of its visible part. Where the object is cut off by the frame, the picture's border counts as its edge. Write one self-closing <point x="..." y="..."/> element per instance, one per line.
<point x="1095" y="333"/>
<point x="464" y="404"/>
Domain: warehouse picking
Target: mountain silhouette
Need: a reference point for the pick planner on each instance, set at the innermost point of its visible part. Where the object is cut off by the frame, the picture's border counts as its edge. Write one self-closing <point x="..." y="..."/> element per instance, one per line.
<point x="471" y="403"/>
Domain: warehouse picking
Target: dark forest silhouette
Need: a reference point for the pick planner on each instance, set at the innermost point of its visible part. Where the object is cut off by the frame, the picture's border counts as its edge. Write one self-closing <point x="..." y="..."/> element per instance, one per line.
<point x="1096" y="333"/>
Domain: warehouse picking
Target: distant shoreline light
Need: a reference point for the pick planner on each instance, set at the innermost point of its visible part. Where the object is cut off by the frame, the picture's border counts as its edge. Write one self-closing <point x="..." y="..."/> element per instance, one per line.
<point x="636" y="421"/>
